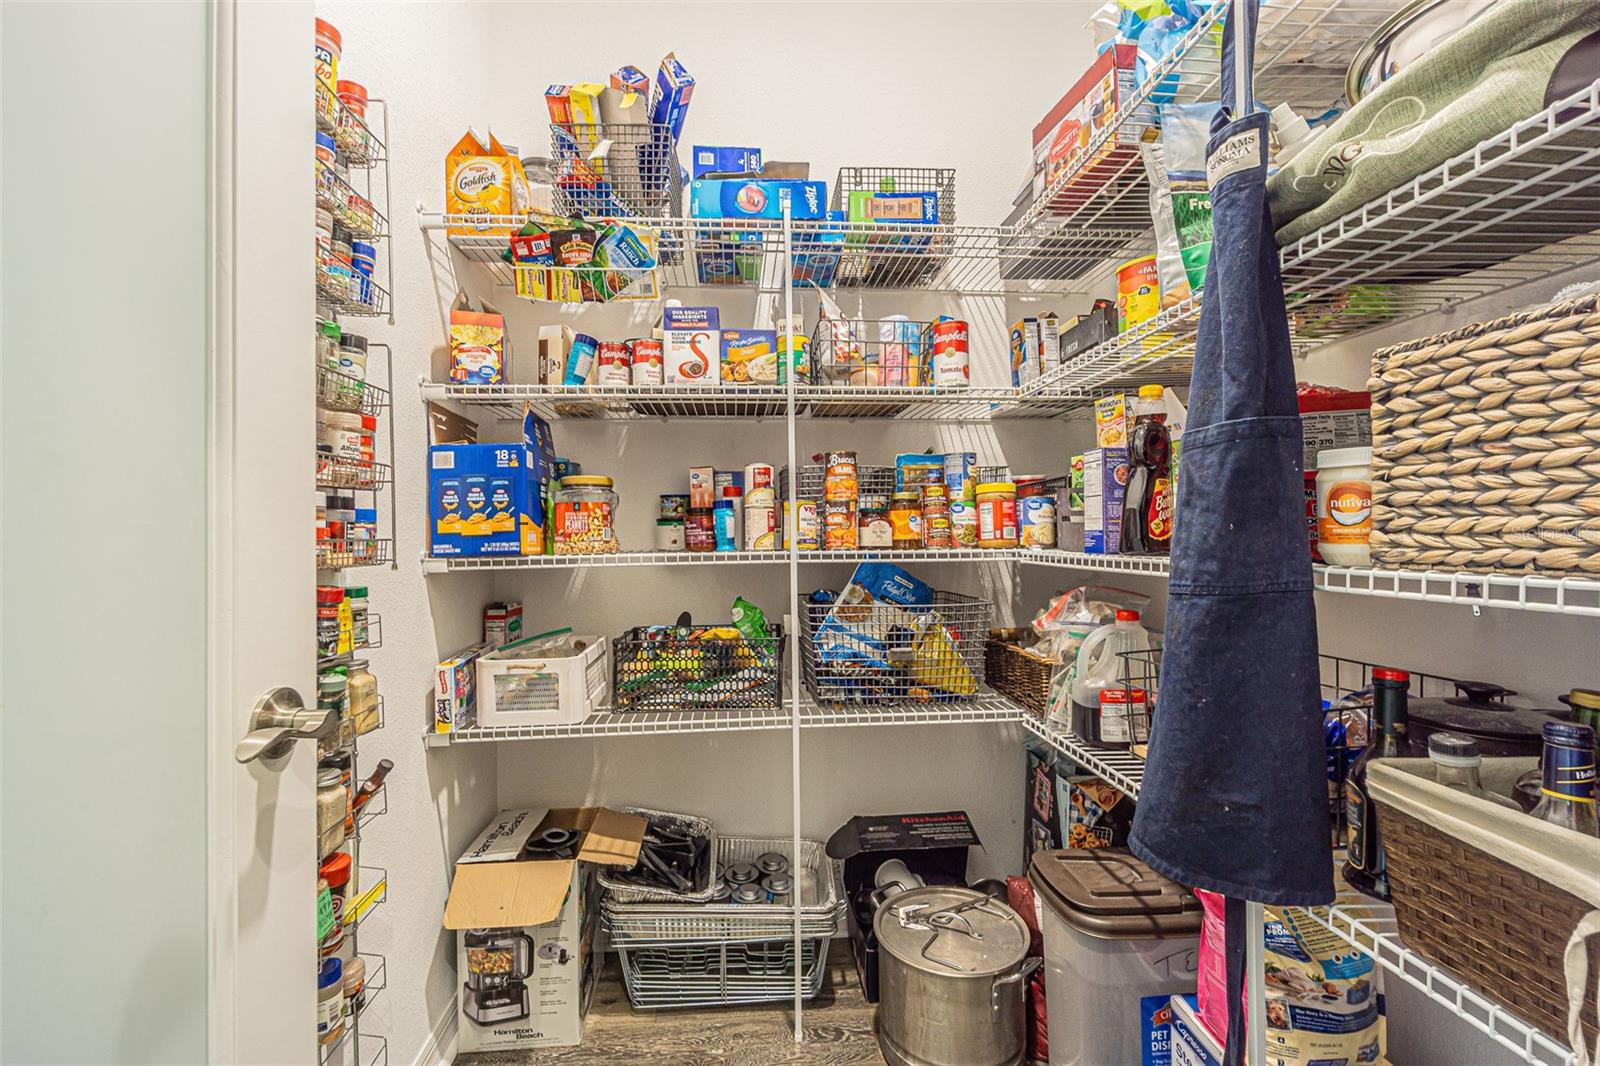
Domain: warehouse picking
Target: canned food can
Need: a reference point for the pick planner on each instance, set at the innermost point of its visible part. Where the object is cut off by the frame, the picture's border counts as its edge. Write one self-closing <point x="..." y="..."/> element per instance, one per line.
<point x="841" y="478"/>
<point x="794" y="353"/>
<point x="613" y="364"/>
<point x="646" y="356"/>
<point x="805" y="528"/>
<point x="961" y="475"/>
<point x="1036" y="521"/>
<point x="949" y="366"/>
<point x="964" y="523"/>
<point x="759" y="486"/>
<point x="760" y="529"/>
<point x="839" y="525"/>
<point x="936" y="532"/>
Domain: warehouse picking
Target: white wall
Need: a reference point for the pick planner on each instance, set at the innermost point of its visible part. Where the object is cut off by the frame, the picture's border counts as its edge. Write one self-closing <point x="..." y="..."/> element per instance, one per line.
<point x="958" y="85"/>
<point x="103" y="772"/>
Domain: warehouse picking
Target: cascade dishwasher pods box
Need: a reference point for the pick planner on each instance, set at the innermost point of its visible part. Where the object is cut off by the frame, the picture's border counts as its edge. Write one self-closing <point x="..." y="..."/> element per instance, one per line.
<point x="1105" y="484"/>
<point x="691" y="345"/>
<point x="528" y="936"/>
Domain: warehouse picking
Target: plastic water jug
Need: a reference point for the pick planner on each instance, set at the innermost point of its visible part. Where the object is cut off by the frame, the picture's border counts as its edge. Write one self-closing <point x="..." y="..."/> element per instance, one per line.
<point x="1101" y="665"/>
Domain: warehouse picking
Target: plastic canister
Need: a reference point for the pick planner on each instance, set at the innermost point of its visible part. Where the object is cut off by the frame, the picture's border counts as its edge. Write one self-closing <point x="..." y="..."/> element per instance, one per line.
<point x="325" y="174"/>
<point x="326" y="53"/>
<point x="1102" y="664"/>
<point x="1117" y="935"/>
<point x="725" y="525"/>
<point x="342" y="431"/>
<point x="1344" y="506"/>
<point x="997" y="515"/>
<point x="353" y="95"/>
<point x="330" y="1001"/>
<point x="1138" y="292"/>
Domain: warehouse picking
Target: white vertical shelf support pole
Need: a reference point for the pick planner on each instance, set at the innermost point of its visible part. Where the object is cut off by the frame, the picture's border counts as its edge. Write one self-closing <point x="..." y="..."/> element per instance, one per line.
<point x="1255" y="962"/>
<point x="786" y="357"/>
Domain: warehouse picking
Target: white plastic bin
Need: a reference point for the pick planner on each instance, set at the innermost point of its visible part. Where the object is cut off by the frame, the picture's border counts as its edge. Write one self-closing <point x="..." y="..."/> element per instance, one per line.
<point x="549" y="681"/>
<point x="1116" y="934"/>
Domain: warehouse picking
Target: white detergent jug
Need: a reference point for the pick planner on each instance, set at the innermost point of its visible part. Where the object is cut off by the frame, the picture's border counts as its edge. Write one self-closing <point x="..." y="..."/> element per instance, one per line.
<point x="1102" y="665"/>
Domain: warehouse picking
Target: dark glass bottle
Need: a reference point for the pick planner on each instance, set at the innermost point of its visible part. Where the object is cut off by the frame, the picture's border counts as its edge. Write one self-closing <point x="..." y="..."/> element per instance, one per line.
<point x="1567" y="797"/>
<point x="1364" y="867"/>
<point x="1147" y="509"/>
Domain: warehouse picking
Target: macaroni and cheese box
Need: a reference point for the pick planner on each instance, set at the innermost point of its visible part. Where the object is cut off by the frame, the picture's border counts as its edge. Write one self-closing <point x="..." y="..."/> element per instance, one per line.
<point x="483" y="500"/>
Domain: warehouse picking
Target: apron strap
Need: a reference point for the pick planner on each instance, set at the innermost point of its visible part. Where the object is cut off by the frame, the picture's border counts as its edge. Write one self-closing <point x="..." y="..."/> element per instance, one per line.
<point x="1239" y="57"/>
<point x="1233" y="951"/>
<point x="1576" y="967"/>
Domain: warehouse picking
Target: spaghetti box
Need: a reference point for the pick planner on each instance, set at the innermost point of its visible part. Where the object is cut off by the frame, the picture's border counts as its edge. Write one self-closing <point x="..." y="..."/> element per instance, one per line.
<point x="1105" y="484"/>
<point x="1189" y="1041"/>
<point x="756" y="198"/>
<point x="484" y="499"/>
<point x="719" y="160"/>
<point x="933" y="846"/>
<point x="529" y="948"/>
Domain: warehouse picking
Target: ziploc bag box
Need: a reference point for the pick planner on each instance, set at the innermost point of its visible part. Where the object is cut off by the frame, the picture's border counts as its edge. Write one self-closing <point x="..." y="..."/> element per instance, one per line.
<point x="482" y="500"/>
<point x="1105" y="485"/>
<point x="715" y="159"/>
<point x="909" y="209"/>
<point x="529" y="943"/>
<point x="756" y="198"/>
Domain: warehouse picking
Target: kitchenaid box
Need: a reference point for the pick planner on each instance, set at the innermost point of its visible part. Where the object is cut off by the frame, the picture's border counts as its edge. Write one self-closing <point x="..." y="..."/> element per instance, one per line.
<point x="932" y="846"/>
<point x="526" y="906"/>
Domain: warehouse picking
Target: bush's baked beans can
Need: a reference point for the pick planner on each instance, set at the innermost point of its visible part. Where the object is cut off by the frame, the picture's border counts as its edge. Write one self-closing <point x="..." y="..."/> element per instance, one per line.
<point x="936" y="531"/>
<point x="759" y="486"/>
<point x="613" y="364"/>
<point x="949" y="366"/>
<point x="839" y="524"/>
<point x="841" y="478"/>
<point x="645" y="354"/>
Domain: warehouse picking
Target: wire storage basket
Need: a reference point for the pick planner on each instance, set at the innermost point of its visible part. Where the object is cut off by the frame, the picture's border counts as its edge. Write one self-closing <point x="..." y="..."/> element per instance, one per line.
<point x="815" y="876"/>
<point x="668" y="975"/>
<point x="872" y="481"/>
<point x="616" y="170"/>
<point x="619" y="886"/>
<point x="885" y="653"/>
<point x="671" y="667"/>
<point x="884" y="252"/>
<point x="869" y="353"/>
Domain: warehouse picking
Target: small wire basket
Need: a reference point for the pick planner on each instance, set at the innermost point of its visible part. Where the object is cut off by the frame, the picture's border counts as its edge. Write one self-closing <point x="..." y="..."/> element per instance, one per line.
<point x="889" y="254"/>
<point x="871" y="481"/>
<point x="866" y="353"/>
<point x="670" y="975"/>
<point x="669" y="667"/>
<point x="616" y="170"/>
<point x="885" y="653"/>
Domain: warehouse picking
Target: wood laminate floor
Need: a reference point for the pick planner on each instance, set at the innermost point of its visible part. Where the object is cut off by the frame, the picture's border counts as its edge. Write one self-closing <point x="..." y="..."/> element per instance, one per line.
<point x="838" y="1027"/>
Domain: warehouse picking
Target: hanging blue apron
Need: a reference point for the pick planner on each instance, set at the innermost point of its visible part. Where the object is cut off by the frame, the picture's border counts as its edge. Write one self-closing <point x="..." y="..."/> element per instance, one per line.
<point x="1234" y="797"/>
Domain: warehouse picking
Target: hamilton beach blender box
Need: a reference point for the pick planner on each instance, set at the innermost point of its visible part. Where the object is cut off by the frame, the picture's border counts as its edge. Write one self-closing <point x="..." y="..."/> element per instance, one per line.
<point x="526" y="908"/>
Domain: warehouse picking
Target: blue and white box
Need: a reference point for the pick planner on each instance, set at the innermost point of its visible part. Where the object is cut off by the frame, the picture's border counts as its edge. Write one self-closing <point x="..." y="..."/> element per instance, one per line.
<point x="756" y="198"/>
<point x="715" y="159"/>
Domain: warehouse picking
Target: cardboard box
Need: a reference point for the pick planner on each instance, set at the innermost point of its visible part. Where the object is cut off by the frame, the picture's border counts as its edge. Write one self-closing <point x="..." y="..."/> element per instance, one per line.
<point x="1024" y="352"/>
<point x="529" y="949"/>
<point x="455" y="690"/>
<point x="1062" y="139"/>
<point x="1191" y="1042"/>
<point x="557" y="100"/>
<point x="932" y="845"/>
<point x="702" y="486"/>
<point x="447" y="427"/>
<point x="716" y="159"/>
<point x="631" y="79"/>
<point x="691" y="345"/>
<point x="1105" y="483"/>
<point x="484" y="181"/>
<point x="537" y="439"/>
<point x="1332" y="418"/>
<point x="749" y="356"/>
<point x="1096" y="327"/>
<point x="1049" y="341"/>
<point x="1068" y="807"/>
<point x="502" y="623"/>
<point x="674" y="90"/>
<point x="555" y="341"/>
<point x="1111" y="417"/>
<point x="483" y="499"/>
<point x="479" y="347"/>
<point x="756" y="198"/>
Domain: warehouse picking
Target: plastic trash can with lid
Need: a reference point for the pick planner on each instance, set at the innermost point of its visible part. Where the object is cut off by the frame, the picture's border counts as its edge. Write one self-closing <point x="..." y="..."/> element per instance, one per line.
<point x="1116" y="933"/>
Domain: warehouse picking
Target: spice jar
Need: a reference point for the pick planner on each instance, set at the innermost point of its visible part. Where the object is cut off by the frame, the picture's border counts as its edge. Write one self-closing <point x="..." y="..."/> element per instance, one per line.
<point x="340" y="761"/>
<point x="997" y="515"/>
<point x="700" y="530"/>
<point x="936" y="531"/>
<point x="330" y="1001"/>
<point x="330" y="811"/>
<point x="360" y="633"/>
<point x="362" y="695"/>
<point x="324" y="165"/>
<point x="363" y="531"/>
<point x="669" y="534"/>
<point x="335" y="870"/>
<point x="873" y="527"/>
<point x="905" y="520"/>
<point x="342" y="432"/>
<point x="585" y="516"/>
<point x="328" y="599"/>
<point x="355" y="981"/>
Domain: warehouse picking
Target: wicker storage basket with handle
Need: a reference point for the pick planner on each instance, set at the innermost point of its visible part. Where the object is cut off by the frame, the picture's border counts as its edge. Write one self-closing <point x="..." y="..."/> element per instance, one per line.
<point x="1012" y="667"/>
<point x="1489" y="893"/>
<point x="1486" y="445"/>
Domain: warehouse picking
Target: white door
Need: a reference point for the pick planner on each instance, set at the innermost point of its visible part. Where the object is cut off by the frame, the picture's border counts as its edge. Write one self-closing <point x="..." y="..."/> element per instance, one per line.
<point x="264" y="863"/>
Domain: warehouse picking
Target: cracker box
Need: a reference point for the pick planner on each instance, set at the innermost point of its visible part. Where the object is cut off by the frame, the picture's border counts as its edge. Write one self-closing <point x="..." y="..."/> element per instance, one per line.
<point x="483" y="500"/>
<point x="691" y="345"/>
<point x="716" y="159"/>
<point x="455" y="697"/>
<point x="1062" y="139"/>
<point x="529" y="943"/>
<point x="1105" y="484"/>
<point x="749" y="356"/>
<point x="483" y="181"/>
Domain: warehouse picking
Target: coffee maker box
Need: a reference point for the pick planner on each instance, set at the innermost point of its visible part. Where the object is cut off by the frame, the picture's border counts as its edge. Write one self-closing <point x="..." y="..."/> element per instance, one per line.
<point x="529" y="950"/>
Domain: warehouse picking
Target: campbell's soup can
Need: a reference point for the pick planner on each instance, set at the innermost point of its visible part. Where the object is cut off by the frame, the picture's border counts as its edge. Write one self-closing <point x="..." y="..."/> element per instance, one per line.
<point x="645" y="355"/>
<point x="949" y="366"/>
<point x="759" y="486"/>
<point x="613" y="364"/>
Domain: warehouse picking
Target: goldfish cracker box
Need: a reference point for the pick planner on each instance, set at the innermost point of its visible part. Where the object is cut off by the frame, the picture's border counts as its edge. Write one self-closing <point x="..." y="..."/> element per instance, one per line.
<point x="483" y="182"/>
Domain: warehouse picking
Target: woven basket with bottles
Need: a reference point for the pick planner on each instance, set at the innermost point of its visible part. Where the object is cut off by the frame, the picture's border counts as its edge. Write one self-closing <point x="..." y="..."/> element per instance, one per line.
<point x="1012" y="667"/>
<point x="1486" y="445"/>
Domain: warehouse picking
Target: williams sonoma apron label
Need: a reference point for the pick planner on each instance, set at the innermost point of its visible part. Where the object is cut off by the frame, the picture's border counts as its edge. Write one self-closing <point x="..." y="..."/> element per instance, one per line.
<point x="1239" y="152"/>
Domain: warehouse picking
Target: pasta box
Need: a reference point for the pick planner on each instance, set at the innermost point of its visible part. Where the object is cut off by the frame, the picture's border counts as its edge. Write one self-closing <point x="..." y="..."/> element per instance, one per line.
<point x="483" y="499"/>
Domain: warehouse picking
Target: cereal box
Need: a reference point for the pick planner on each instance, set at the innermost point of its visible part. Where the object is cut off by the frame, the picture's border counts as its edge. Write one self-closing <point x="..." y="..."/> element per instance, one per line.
<point x="478" y="354"/>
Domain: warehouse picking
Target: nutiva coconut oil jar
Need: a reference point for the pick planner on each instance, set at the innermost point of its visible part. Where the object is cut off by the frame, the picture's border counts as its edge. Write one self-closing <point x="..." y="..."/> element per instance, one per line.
<point x="1344" y="506"/>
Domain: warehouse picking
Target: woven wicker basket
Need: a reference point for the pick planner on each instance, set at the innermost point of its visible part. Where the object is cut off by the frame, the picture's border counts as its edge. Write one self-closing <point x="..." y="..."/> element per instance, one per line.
<point x="1486" y="445"/>
<point x="1011" y="668"/>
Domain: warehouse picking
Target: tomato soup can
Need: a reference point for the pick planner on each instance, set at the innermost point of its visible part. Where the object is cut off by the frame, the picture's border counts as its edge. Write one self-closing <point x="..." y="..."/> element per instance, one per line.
<point x="613" y="364"/>
<point x="645" y="355"/>
<point x="949" y="366"/>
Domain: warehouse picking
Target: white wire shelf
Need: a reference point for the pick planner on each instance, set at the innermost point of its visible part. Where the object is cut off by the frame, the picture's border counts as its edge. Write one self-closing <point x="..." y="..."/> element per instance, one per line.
<point x="987" y="707"/>
<point x="1559" y="595"/>
<point x="1121" y="769"/>
<point x="749" y="253"/>
<point x="374" y="640"/>
<point x="1371" y="927"/>
<point x="1158" y="565"/>
<point x="1303" y="49"/>
<point x="609" y="723"/>
<point x="434" y="565"/>
<point x="757" y="402"/>
<point x="344" y="554"/>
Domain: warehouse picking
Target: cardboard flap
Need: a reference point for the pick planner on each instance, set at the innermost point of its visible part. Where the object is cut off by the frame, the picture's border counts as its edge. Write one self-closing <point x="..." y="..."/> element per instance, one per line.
<point x="501" y="895"/>
<point x="610" y="838"/>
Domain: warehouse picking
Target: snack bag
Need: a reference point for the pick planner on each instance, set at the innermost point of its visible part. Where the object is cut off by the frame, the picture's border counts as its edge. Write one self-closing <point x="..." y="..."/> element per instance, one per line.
<point x="936" y="662"/>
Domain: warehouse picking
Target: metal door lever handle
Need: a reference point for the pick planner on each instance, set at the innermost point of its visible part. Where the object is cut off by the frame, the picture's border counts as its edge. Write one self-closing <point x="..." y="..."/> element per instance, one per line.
<point x="278" y="720"/>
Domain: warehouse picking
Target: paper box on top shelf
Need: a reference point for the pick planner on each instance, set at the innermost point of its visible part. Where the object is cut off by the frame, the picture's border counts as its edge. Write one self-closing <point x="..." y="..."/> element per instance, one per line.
<point x="631" y="79"/>
<point x="1088" y="330"/>
<point x="557" y="100"/>
<point x="933" y="846"/>
<point x="911" y="210"/>
<point x="1105" y="484"/>
<point x="480" y="183"/>
<point x="1087" y="111"/>
<point x="554" y="343"/>
<point x="528" y="947"/>
<point x="717" y="159"/>
<point x="1049" y="341"/>
<point x="756" y="198"/>
<point x="483" y="499"/>
<point x="691" y="345"/>
<point x="749" y="356"/>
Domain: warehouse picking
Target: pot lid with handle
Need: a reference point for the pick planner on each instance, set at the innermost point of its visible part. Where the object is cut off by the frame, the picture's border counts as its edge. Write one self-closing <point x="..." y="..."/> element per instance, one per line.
<point x="1113" y="894"/>
<point x="1479" y="709"/>
<point x="951" y="931"/>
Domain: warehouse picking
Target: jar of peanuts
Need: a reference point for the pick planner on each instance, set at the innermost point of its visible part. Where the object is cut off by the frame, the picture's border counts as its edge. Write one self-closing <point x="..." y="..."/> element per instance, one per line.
<point x="585" y="516"/>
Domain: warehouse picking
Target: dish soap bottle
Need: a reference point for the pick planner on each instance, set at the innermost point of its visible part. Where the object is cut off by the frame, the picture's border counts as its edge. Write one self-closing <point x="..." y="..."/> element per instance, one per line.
<point x="1456" y="760"/>
<point x="1364" y="866"/>
<point x="1147" y="507"/>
